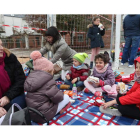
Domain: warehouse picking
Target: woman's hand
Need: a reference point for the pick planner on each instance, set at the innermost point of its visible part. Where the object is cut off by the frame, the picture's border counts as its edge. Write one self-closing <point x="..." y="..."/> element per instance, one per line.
<point x="67" y="77"/>
<point x="4" y="101"/>
<point x="2" y="112"/>
<point x="74" y="80"/>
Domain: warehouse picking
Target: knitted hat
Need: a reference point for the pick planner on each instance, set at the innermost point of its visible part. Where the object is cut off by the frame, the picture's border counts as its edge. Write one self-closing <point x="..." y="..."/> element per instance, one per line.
<point x="80" y="57"/>
<point x="41" y="63"/>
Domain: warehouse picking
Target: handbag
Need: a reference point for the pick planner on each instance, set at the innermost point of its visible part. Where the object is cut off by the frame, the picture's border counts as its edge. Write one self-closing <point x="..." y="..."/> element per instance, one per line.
<point x="18" y="116"/>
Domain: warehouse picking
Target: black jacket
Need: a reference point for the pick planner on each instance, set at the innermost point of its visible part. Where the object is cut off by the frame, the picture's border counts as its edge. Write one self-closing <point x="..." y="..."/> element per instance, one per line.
<point x="16" y="75"/>
<point x="131" y="25"/>
<point x="95" y="35"/>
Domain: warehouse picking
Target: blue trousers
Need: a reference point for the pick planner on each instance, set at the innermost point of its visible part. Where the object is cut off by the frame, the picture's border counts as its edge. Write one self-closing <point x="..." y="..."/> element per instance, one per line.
<point x="78" y="84"/>
<point x="134" y="41"/>
<point x="20" y="100"/>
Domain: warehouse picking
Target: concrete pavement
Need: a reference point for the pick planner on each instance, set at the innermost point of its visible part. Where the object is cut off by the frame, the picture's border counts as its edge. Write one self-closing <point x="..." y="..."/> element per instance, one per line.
<point x="25" y="53"/>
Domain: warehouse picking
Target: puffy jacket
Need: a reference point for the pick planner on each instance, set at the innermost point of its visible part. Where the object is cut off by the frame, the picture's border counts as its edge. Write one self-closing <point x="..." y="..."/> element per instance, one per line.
<point x="80" y="73"/>
<point x="95" y="35"/>
<point x="131" y="25"/>
<point x="133" y="95"/>
<point x="42" y="94"/>
<point x="61" y="50"/>
<point x="107" y="77"/>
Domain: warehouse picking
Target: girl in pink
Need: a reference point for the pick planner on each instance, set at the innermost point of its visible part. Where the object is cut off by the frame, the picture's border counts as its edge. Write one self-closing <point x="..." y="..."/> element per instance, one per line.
<point x="104" y="72"/>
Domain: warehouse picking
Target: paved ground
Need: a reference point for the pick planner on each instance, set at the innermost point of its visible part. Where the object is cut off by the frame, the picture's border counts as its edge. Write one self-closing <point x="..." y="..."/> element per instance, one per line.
<point x="23" y="55"/>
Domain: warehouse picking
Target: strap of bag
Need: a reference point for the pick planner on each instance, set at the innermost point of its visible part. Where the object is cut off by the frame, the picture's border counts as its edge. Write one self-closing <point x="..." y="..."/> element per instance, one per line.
<point x="39" y="113"/>
<point x="13" y="110"/>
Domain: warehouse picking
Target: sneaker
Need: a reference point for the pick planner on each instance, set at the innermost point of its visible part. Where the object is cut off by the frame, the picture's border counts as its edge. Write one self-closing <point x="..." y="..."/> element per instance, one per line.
<point x="130" y="66"/>
<point x="98" y="93"/>
<point x="86" y="90"/>
<point x="65" y="108"/>
<point x="122" y="64"/>
<point x="113" y="112"/>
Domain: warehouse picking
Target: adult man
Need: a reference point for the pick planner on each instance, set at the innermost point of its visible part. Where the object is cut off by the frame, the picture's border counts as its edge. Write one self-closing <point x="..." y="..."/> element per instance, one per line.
<point x="131" y="26"/>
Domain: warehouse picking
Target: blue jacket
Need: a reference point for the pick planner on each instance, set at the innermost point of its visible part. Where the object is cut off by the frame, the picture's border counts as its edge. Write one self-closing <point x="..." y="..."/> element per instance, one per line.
<point x="95" y="35"/>
<point x="131" y="25"/>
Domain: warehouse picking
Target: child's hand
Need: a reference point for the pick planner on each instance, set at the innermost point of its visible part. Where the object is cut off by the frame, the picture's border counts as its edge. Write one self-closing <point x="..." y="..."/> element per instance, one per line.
<point x="97" y="84"/>
<point x="106" y="105"/>
<point x="118" y="88"/>
<point x="67" y="77"/>
<point x="74" y="80"/>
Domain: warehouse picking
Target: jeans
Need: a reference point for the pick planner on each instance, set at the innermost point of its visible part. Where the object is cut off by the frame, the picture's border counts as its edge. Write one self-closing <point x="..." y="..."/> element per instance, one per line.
<point x="20" y="100"/>
<point x="134" y="41"/>
<point x="78" y="84"/>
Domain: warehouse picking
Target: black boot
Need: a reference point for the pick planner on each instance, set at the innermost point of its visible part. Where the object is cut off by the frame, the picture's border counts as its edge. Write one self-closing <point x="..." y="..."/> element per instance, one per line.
<point x="91" y="64"/>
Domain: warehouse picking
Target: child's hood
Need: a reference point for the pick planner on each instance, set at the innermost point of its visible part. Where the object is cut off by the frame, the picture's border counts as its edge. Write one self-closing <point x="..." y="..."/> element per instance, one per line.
<point x="36" y="80"/>
<point x="136" y="60"/>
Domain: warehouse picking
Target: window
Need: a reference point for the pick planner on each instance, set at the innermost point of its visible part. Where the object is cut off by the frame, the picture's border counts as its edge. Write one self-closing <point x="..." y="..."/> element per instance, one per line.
<point x="80" y="38"/>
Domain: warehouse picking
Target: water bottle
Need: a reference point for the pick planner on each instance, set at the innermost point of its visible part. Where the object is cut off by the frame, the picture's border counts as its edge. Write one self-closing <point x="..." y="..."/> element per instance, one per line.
<point x="74" y="90"/>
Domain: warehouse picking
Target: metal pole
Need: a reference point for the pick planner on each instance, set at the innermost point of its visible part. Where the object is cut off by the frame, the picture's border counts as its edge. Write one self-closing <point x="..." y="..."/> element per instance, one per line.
<point x="117" y="41"/>
<point x="26" y="42"/>
<point x="48" y="20"/>
<point x="112" y="33"/>
<point x="42" y="41"/>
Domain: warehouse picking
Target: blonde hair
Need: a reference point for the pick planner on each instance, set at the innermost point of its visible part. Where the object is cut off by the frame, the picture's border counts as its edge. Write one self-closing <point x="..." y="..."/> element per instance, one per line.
<point x="6" y="51"/>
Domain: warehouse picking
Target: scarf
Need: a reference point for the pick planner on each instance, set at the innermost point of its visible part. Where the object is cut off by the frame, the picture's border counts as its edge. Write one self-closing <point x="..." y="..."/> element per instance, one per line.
<point x="77" y="67"/>
<point x="137" y="78"/>
<point x="103" y="69"/>
<point x="4" y="78"/>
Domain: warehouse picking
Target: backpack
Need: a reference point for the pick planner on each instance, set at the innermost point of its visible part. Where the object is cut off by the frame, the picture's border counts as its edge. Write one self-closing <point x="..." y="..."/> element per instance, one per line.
<point x="18" y="116"/>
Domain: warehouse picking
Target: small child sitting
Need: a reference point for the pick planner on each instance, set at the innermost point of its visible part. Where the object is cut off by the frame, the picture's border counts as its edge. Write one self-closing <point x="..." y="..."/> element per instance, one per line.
<point x="78" y="72"/>
<point x="105" y="74"/>
<point x="42" y="92"/>
<point x="128" y="104"/>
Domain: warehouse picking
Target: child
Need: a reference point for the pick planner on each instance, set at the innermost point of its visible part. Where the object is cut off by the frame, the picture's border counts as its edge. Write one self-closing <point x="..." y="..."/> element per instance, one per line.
<point x="104" y="72"/>
<point x="129" y="104"/>
<point x="42" y="92"/>
<point x="78" y="72"/>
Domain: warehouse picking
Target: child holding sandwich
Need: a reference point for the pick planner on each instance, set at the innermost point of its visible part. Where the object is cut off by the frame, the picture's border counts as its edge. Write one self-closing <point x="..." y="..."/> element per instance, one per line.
<point x="128" y="104"/>
<point x="102" y="79"/>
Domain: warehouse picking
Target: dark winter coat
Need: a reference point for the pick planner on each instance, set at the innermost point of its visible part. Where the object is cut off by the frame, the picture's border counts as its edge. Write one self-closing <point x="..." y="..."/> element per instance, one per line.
<point x="107" y="77"/>
<point x="16" y="75"/>
<point x="80" y="73"/>
<point x="42" y="94"/>
<point x="95" y="35"/>
<point x="131" y="25"/>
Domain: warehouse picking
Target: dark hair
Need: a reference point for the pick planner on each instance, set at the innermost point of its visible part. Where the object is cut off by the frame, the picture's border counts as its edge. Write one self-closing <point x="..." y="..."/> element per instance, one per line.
<point x="94" y="18"/>
<point x="103" y="57"/>
<point x="52" y="31"/>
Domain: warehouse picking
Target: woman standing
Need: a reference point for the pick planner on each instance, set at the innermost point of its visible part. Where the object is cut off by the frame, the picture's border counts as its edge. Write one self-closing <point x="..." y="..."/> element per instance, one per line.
<point x="95" y="33"/>
<point x="60" y="49"/>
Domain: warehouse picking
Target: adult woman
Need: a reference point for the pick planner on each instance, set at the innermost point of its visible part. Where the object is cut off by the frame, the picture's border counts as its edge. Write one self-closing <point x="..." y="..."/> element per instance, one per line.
<point x="95" y="34"/>
<point x="11" y="81"/>
<point x="60" y="49"/>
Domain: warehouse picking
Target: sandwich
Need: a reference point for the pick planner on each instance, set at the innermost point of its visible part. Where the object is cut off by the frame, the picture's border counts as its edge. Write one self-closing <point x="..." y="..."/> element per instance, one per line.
<point x="93" y="79"/>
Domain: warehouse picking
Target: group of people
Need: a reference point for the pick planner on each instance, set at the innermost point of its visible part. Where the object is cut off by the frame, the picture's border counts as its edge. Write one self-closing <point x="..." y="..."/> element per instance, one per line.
<point x="42" y="92"/>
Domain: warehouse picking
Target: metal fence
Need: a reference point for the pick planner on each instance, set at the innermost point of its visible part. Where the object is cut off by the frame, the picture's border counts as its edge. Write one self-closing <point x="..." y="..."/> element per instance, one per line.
<point x="73" y="29"/>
